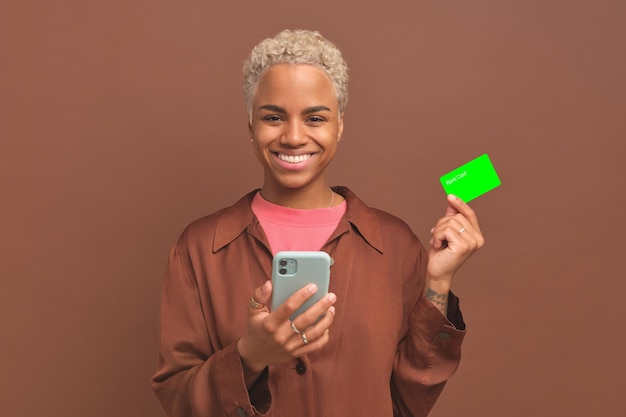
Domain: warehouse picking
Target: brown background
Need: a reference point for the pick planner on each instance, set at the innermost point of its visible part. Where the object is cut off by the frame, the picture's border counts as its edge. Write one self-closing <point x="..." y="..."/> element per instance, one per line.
<point x="122" y="121"/>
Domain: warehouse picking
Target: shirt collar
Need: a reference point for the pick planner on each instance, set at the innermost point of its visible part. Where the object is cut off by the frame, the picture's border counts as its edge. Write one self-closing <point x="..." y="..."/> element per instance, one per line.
<point x="236" y="219"/>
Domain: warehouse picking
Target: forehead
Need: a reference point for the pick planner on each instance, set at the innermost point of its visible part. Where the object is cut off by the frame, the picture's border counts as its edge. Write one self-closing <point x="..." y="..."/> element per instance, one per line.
<point x="299" y="83"/>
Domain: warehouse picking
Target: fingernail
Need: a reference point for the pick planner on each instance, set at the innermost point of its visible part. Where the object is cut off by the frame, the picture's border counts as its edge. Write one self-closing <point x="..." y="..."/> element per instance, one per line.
<point x="331" y="309"/>
<point x="332" y="297"/>
<point x="312" y="288"/>
<point x="452" y="197"/>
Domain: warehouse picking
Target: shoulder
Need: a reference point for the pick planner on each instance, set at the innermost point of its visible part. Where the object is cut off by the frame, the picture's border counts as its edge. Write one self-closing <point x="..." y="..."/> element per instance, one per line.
<point x="391" y="221"/>
<point x="228" y="221"/>
<point x="372" y="222"/>
<point x="394" y="230"/>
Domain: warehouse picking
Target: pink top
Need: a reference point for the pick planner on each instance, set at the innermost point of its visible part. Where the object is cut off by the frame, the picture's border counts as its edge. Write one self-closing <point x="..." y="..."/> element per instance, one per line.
<point x="296" y="229"/>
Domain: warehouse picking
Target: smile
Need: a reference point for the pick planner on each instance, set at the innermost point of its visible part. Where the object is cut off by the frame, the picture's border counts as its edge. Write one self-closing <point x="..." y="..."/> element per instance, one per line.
<point x="294" y="159"/>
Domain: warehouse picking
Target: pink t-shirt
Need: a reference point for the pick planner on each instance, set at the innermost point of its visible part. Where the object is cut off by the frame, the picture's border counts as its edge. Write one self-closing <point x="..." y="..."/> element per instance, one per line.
<point x="296" y="229"/>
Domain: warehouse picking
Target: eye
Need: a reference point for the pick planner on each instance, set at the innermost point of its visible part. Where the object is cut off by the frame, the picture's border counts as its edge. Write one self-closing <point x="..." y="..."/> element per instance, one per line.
<point x="315" y="120"/>
<point x="272" y="118"/>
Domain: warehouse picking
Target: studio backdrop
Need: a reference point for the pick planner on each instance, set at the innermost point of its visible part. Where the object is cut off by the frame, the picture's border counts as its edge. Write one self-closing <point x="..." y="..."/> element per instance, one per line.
<point x="123" y="121"/>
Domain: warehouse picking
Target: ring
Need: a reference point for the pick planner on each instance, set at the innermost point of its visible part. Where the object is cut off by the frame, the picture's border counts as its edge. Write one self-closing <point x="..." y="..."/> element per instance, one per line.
<point x="295" y="329"/>
<point x="304" y="339"/>
<point x="255" y="304"/>
<point x="462" y="230"/>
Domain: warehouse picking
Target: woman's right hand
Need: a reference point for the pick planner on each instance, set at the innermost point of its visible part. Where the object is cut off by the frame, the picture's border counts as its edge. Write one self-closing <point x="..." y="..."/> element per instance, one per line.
<point x="270" y="337"/>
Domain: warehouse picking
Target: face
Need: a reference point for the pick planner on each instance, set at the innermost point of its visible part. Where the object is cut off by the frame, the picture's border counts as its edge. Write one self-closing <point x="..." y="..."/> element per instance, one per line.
<point x="296" y="126"/>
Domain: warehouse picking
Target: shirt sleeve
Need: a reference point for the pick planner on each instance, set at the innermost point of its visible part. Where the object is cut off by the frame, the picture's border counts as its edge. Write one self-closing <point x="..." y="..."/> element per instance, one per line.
<point x="193" y="378"/>
<point x="429" y="354"/>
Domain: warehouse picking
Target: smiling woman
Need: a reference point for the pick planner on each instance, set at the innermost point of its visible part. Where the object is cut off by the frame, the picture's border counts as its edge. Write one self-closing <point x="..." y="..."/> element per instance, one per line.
<point x="389" y="329"/>
<point x="295" y="126"/>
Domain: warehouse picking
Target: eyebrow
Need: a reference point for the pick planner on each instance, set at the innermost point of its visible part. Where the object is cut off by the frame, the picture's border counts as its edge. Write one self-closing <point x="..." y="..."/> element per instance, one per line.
<point x="308" y="110"/>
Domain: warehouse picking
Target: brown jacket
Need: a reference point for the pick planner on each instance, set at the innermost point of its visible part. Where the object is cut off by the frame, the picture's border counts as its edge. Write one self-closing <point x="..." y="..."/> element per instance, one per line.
<point x="390" y="351"/>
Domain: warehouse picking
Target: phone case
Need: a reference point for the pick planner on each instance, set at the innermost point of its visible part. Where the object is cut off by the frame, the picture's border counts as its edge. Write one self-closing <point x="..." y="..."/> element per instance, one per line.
<point x="292" y="270"/>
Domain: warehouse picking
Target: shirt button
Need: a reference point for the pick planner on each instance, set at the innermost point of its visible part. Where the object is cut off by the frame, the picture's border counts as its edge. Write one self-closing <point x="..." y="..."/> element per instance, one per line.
<point x="444" y="335"/>
<point x="241" y="412"/>
<point x="300" y="368"/>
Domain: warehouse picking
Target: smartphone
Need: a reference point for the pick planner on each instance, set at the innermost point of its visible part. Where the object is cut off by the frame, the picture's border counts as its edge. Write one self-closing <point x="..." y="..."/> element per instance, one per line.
<point x="292" y="270"/>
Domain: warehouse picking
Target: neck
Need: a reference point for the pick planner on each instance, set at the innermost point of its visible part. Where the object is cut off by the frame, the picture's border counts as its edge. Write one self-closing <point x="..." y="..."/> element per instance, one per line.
<point x="301" y="199"/>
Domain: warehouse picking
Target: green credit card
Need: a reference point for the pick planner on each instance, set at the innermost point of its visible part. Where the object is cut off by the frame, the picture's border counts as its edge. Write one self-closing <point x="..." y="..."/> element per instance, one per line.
<point x="471" y="180"/>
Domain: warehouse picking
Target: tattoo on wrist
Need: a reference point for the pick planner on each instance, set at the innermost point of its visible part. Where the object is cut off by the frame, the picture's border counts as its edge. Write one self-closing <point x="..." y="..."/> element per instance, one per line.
<point x="439" y="300"/>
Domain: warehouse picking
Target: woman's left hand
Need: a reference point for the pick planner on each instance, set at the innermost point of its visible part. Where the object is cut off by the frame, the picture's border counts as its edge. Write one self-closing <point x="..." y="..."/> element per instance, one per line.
<point x="455" y="237"/>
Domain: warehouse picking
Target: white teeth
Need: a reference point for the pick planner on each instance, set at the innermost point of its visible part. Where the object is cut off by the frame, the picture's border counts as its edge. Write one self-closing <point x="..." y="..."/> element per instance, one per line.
<point x="294" y="159"/>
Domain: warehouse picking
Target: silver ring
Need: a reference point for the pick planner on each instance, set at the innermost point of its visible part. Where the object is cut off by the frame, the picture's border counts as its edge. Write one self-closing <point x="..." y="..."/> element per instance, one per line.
<point x="295" y="329"/>
<point x="304" y="339"/>
<point x="462" y="230"/>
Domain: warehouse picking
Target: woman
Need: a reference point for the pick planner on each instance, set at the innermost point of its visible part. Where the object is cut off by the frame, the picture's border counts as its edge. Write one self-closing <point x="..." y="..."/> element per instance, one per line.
<point x="391" y="333"/>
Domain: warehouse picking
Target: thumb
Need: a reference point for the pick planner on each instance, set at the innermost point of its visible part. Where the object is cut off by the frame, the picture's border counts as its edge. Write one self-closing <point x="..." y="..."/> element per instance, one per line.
<point x="264" y="292"/>
<point x="451" y="210"/>
<point x="261" y="297"/>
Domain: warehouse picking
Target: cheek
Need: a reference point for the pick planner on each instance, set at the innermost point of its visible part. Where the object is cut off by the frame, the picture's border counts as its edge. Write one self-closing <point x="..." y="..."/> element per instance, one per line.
<point x="260" y="158"/>
<point x="256" y="148"/>
<point x="260" y="150"/>
<point x="264" y="134"/>
<point x="333" y="137"/>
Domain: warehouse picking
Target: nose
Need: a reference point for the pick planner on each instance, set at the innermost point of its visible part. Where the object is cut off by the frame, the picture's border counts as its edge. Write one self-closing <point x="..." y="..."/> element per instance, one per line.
<point x="294" y="134"/>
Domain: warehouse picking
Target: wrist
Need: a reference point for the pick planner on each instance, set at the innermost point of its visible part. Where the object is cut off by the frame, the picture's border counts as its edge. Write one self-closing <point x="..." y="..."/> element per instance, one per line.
<point x="440" y="285"/>
<point x="437" y="291"/>
<point x="248" y="363"/>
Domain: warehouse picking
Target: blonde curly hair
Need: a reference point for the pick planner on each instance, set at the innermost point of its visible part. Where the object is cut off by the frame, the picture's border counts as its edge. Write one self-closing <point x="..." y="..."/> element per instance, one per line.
<point x="296" y="47"/>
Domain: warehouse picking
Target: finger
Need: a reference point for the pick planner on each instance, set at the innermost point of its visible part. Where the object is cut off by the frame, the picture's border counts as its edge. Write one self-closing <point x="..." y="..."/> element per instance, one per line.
<point x="451" y="230"/>
<point x="292" y="340"/>
<point x="450" y="211"/>
<point x="469" y="230"/>
<point x="444" y="229"/>
<point x="313" y="322"/>
<point x="317" y="332"/>
<point x="315" y="312"/>
<point x="294" y="302"/>
<point x="312" y="346"/>
<point x="261" y="297"/>
<point x="461" y="207"/>
<point x="457" y="234"/>
<point x="324" y="322"/>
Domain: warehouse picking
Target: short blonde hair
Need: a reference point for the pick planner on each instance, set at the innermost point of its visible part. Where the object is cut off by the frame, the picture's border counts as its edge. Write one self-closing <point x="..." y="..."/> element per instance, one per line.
<point x="296" y="47"/>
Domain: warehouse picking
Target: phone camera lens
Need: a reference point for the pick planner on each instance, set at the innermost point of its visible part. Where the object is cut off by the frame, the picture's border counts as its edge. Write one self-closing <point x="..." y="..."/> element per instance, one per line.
<point x="283" y="271"/>
<point x="283" y="262"/>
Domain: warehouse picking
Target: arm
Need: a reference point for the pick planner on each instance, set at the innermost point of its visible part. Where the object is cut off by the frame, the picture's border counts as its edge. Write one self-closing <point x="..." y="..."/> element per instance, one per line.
<point x="455" y="237"/>
<point x="195" y="377"/>
<point x="426" y="359"/>
<point x="430" y="351"/>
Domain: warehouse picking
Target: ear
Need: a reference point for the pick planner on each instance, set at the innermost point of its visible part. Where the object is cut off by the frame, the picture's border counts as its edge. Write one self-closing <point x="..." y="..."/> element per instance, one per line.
<point x="340" y="127"/>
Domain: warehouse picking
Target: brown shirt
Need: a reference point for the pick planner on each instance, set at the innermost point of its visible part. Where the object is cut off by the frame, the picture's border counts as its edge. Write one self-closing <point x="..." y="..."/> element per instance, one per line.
<point x="390" y="350"/>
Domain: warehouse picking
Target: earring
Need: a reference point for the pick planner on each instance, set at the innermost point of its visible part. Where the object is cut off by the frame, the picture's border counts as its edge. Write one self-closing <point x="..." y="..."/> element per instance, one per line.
<point x="251" y="139"/>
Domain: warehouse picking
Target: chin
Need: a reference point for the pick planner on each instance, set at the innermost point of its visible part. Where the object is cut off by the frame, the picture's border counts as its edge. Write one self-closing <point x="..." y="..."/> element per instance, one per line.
<point x="293" y="183"/>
